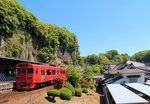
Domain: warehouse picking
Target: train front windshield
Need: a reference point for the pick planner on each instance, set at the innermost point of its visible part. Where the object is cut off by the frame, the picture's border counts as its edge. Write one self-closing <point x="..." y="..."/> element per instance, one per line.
<point x="24" y="71"/>
<point x="30" y="71"/>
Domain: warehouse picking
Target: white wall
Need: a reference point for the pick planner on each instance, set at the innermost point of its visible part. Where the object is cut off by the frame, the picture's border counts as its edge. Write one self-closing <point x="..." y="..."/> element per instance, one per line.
<point x="131" y="80"/>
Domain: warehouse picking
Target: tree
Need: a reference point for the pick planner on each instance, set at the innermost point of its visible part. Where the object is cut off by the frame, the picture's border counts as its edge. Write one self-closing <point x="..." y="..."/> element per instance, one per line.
<point x="102" y="59"/>
<point x="142" y="56"/>
<point x="73" y="76"/>
<point x="118" y="59"/>
<point x="111" y="54"/>
<point x="48" y="40"/>
<point x="92" y="59"/>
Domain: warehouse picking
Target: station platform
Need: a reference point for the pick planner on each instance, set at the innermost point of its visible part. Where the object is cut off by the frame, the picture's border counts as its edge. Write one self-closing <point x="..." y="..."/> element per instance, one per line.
<point x="7" y="87"/>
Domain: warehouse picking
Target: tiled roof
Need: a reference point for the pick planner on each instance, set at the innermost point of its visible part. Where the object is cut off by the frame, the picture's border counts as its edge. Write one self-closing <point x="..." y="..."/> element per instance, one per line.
<point x="129" y="67"/>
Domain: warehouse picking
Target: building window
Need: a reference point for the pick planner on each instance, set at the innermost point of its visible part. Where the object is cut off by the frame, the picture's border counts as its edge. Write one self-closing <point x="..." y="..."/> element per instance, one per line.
<point x="133" y="80"/>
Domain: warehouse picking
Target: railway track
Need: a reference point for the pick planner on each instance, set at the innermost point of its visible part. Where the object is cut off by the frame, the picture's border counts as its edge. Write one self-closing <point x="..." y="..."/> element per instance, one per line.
<point x="17" y="95"/>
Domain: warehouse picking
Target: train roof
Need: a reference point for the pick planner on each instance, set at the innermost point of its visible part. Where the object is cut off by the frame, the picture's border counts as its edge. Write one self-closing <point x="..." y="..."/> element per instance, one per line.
<point x="19" y="60"/>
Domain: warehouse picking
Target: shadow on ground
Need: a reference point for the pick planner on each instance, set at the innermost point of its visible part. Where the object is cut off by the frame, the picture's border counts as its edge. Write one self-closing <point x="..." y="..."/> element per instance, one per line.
<point x="50" y="99"/>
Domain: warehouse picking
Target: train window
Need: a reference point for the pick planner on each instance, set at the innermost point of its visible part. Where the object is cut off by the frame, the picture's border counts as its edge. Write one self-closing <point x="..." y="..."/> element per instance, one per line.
<point x="20" y="65"/>
<point x="36" y="71"/>
<point x="57" y="72"/>
<point x="48" y="72"/>
<point x="53" y="72"/>
<point x="30" y="71"/>
<point x="61" y="72"/>
<point x="17" y="71"/>
<point x="42" y="72"/>
<point x="23" y="71"/>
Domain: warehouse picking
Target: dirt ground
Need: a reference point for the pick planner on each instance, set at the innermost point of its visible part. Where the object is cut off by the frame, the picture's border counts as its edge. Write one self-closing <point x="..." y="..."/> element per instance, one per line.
<point x="41" y="98"/>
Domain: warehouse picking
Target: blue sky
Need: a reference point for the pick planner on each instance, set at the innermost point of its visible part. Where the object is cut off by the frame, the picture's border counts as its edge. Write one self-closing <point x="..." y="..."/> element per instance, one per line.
<point x="100" y="25"/>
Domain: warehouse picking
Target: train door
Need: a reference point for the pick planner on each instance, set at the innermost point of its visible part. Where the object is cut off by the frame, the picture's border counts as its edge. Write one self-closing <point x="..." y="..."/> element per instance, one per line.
<point x="23" y="76"/>
<point x="42" y="75"/>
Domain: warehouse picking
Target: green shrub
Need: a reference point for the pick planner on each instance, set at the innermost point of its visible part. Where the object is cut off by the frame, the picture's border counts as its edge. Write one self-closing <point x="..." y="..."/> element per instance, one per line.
<point x="78" y="85"/>
<point x="65" y="94"/>
<point x="78" y="92"/>
<point x="53" y="93"/>
<point x="70" y="87"/>
<point x="85" y="90"/>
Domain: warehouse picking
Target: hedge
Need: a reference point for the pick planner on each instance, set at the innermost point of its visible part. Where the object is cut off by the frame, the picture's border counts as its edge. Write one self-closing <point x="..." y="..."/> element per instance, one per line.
<point x="70" y="87"/>
<point x="84" y="90"/>
<point x="53" y="93"/>
<point x="78" y="92"/>
<point x="65" y="94"/>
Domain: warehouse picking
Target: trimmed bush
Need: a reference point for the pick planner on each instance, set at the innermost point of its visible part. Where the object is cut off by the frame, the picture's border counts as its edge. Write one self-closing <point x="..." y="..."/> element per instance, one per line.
<point x="78" y="92"/>
<point x="85" y="90"/>
<point x="78" y="85"/>
<point x="70" y="87"/>
<point x="65" y="94"/>
<point x="53" y="93"/>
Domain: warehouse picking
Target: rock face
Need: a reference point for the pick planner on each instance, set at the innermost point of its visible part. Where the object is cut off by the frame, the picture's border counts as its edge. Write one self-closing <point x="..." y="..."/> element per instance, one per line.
<point x="24" y="36"/>
<point x="2" y="48"/>
<point x="28" y="50"/>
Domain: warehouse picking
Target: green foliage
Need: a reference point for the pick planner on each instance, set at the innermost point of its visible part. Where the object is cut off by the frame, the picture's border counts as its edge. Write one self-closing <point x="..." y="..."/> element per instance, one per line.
<point x="13" y="46"/>
<point x="45" y="54"/>
<point x="78" y="85"/>
<point x="46" y="39"/>
<point x="102" y="59"/>
<point x="92" y="59"/>
<point x="78" y="92"/>
<point x="142" y="56"/>
<point x="85" y="90"/>
<point x="73" y="76"/>
<point x="81" y="61"/>
<point x="120" y="58"/>
<point x="92" y="70"/>
<point x="65" y="94"/>
<point x="70" y="87"/>
<point x="53" y="93"/>
<point x="111" y="54"/>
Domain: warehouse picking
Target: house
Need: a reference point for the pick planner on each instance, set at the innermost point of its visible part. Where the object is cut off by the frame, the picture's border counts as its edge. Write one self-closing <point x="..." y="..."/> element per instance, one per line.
<point x="127" y="72"/>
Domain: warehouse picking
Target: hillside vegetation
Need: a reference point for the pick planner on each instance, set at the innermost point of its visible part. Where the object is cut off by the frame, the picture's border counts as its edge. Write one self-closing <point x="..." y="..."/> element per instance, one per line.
<point x="94" y="64"/>
<point x="24" y="36"/>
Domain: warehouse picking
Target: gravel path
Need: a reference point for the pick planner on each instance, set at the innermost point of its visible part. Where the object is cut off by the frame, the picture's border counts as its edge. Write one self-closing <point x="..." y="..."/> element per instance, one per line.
<point x="40" y="97"/>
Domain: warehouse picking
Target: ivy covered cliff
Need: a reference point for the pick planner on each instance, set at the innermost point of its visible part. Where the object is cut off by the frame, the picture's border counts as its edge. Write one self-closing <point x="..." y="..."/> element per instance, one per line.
<point x="24" y="36"/>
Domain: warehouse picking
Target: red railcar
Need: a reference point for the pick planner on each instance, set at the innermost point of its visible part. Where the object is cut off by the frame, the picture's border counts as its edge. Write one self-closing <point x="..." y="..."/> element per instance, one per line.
<point x="30" y="76"/>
